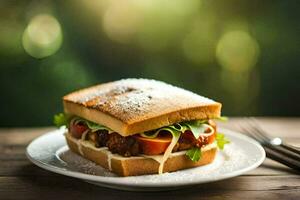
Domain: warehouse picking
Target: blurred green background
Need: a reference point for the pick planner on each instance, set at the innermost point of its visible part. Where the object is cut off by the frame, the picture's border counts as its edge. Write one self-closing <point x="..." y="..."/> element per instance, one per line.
<point x="244" y="54"/>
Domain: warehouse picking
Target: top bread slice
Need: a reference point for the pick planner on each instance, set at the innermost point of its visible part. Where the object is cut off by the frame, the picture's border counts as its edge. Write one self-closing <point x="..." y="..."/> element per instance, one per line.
<point x="131" y="106"/>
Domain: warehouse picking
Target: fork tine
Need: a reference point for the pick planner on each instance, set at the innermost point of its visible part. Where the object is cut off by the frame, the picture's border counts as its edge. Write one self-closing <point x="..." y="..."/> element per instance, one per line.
<point x="244" y="130"/>
<point x="266" y="135"/>
<point x="259" y="129"/>
<point x="278" y="153"/>
<point x="252" y="131"/>
<point x="265" y="141"/>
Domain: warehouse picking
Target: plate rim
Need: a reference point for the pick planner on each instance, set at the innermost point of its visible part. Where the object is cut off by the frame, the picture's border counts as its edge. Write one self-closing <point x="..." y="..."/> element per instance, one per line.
<point x="119" y="181"/>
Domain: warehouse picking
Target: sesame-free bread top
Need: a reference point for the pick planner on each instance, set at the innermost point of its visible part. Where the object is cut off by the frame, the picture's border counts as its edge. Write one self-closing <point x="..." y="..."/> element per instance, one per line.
<point x="133" y="106"/>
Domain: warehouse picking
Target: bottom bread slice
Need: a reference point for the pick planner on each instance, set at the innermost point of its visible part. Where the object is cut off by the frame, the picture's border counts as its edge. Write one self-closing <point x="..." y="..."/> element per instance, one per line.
<point x="137" y="165"/>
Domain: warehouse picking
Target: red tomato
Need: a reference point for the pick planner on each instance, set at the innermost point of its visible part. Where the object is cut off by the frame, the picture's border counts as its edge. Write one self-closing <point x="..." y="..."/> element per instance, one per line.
<point x="158" y="145"/>
<point x="77" y="130"/>
<point x="211" y="138"/>
<point x="154" y="146"/>
<point x="188" y="135"/>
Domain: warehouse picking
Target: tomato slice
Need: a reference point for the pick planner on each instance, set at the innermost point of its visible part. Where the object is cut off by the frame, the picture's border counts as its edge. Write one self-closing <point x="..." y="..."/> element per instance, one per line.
<point x="154" y="146"/>
<point x="158" y="145"/>
<point x="77" y="130"/>
<point x="211" y="138"/>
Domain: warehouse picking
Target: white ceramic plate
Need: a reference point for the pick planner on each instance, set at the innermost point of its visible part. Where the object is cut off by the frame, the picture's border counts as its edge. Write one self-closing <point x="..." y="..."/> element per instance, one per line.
<point x="50" y="152"/>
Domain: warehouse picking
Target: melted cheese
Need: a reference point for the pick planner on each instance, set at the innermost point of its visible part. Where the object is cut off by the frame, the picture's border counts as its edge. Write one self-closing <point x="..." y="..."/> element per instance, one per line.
<point x="167" y="154"/>
<point x="109" y="157"/>
<point x="158" y="158"/>
<point x="79" y="142"/>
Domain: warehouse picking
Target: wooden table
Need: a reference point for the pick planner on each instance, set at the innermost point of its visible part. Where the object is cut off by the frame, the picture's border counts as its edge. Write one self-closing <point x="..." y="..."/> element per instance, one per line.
<point x="19" y="179"/>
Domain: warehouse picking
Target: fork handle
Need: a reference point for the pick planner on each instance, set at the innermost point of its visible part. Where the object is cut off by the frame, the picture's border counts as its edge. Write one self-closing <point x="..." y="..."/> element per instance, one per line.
<point x="283" y="159"/>
<point x="291" y="148"/>
<point x="285" y="151"/>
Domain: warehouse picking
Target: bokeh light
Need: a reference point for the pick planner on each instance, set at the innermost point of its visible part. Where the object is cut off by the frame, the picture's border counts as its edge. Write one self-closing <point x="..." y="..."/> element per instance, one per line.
<point x="237" y="51"/>
<point x="199" y="44"/>
<point x="164" y="23"/>
<point x="121" y="20"/>
<point x="10" y="34"/>
<point x="233" y="51"/>
<point x="43" y="36"/>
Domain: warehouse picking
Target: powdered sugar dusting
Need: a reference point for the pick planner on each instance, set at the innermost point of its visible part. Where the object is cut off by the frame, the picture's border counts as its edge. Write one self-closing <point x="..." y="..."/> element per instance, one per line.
<point x="78" y="163"/>
<point x="225" y="162"/>
<point x="131" y="99"/>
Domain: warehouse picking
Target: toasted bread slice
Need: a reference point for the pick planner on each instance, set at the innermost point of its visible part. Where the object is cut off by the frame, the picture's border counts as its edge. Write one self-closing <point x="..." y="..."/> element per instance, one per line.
<point x="133" y="166"/>
<point x="133" y="106"/>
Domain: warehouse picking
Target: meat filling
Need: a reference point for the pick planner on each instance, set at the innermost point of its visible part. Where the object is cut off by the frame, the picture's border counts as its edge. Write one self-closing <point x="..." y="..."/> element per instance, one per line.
<point x="130" y="146"/>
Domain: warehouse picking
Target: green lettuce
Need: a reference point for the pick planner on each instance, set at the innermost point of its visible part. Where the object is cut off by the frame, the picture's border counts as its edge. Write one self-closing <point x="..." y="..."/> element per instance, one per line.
<point x="222" y="118"/>
<point x="196" y="127"/>
<point x="221" y="140"/>
<point x="194" y="154"/>
<point x="91" y="125"/>
<point x="61" y="119"/>
<point x="171" y="129"/>
<point x="96" y="127"/>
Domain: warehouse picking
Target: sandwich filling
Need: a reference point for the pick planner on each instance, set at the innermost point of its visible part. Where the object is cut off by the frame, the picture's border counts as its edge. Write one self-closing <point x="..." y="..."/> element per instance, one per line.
<point x="149" y="143"/>
<point x="188" y="136"/>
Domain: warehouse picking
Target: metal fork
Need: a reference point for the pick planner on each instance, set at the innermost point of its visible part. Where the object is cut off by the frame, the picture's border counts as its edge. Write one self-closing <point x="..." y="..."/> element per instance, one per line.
<point x="275" y="148"/>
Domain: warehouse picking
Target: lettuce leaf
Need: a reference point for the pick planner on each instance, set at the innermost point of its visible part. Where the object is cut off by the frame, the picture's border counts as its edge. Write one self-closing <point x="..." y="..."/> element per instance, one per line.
<point x="61" y="119"/>
<point x="178" y="127"/>
<point x="221" y="140"/>
<point x="222" y="118"/>
<point x="197" y="127"/>
<point x="171" y="129"/>
<point x="96" y="127"/>
<point x="153" y="134"/>
<point x="93" y="126"/>
<point x="194" y="154"/>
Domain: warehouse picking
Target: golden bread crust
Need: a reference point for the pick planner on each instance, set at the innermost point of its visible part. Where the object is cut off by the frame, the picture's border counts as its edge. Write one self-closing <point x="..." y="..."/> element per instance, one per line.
<point x="132" y="106"/>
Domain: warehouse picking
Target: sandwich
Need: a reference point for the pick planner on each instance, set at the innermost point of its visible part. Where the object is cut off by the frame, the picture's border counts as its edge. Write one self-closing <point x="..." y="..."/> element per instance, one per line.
<point x="140" y="126"/>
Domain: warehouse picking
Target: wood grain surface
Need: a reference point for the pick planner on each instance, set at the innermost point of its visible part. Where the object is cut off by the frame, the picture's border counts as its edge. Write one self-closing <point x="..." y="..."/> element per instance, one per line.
<point x="19" y="179"/>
